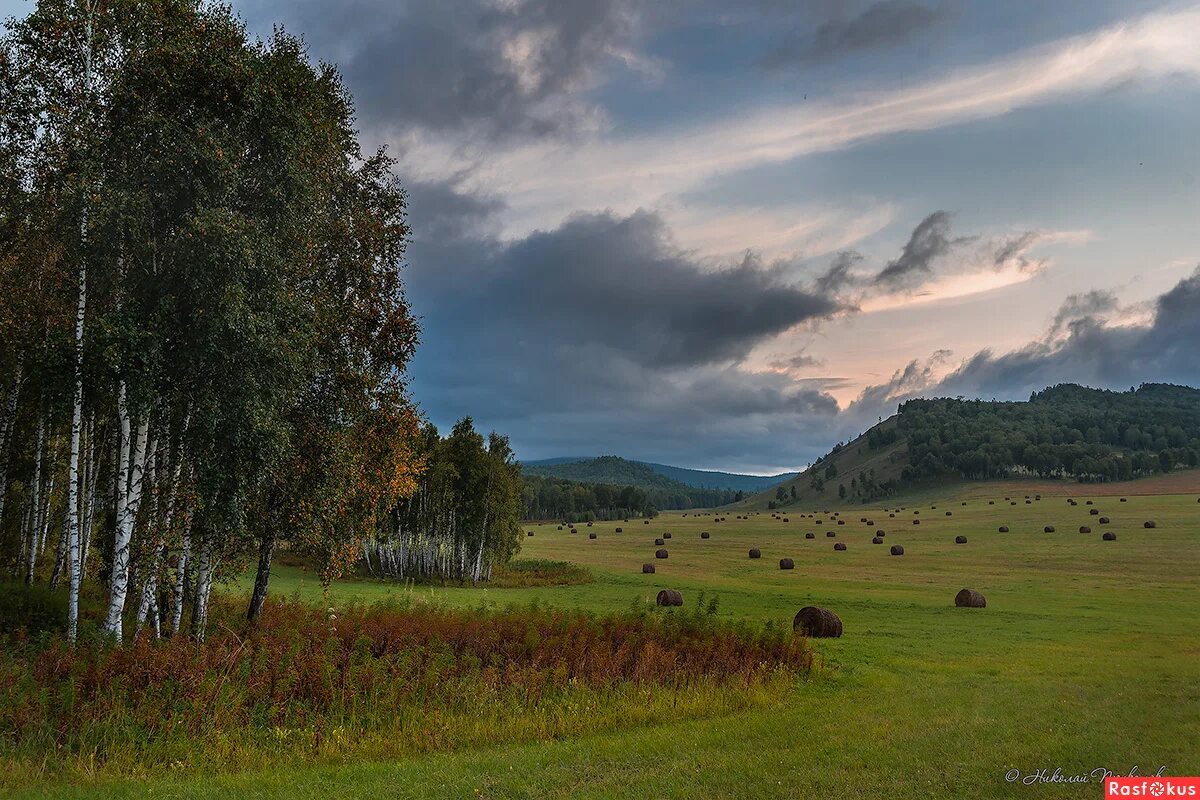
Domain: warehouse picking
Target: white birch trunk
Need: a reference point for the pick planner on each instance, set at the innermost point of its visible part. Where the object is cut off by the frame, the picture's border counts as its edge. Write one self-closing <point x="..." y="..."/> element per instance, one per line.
<point x="129" y="497"/>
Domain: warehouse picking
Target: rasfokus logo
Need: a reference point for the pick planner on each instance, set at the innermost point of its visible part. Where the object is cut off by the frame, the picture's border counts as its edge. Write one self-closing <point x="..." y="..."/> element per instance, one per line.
<point x="1152" y="786"/>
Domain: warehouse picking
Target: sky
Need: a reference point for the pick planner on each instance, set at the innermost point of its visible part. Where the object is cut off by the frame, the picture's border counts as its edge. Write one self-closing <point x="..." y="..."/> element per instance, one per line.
<point x="726" y="235"/>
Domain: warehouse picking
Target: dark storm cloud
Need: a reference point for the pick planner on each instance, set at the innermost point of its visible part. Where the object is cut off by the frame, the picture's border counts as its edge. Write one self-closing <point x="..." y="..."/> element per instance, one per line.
<point x="498" y="69"/>
<point x="602" y="336"/>
<point x="881" y="25"/>
<point x="929" y="241"/>
<point x="618" y="283"/>
<point x="1092" y="353"/>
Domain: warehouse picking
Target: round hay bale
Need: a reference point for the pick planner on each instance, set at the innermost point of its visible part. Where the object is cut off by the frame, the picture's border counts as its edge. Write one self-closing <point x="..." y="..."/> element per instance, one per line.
<point x="1094" y="512"/>
<point x="591" y="536"/>
<point x="786" y="563"/>
<point x="1048" y="529"/>
<point x="841" y="522"/>
<point x="1028" y="502"/>
<point x="660" y="553"/>
<point x="1148" y="524"/>
<point x="703" y="534"/>
<point x="645" y="522"/>
<point x="817" y="622"/>
<point x="870" y="523"/>
<point x="840" y="546"/>
<point x="960" y="540"/>
<point x="1013" y="503"/>
<point x="1105" y="521"/>
<point x="785" y="519"/>
<point x="755" y="552"/>
<point x="1004" y="529"/>
<point x="669" y="597"/>
<point x="830" y="534"/>
<point x="810" y="536"/>
<point x="876" y="540"/>
<point x="893" y="516"/>
<point x="659" y="542"/>
<point x="647" y="569"/>
<point x="620" y="530"/>
<point x="1084" y="529"/>
<point x="589" y="524"/>
<point x="969" y="598"/>
<point x="560" y="527"/>
<point x="862" y="519"/>
<point x="666" y="535"/>
<point x="916" y="522"/>
<point x="949" y="513"/>
<point x="529" y="533"/>
<point x="991" y="502"/>
<point x="880" y="533"/>
<point x="1124" y="500"/>
<point x="896" y="550"/>
<point x="1109" y="537"/>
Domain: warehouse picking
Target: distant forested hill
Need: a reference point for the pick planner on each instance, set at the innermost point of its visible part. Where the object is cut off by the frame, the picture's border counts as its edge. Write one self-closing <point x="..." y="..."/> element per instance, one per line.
<point x="1066" y="432"/>
<point x="611" y="468"/>
<point x="596" y="486"/>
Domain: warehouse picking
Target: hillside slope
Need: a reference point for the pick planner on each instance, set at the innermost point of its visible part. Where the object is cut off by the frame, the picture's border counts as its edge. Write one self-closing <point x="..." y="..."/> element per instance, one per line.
<point x="644" y="474"/>
<point x="1065" y="432"/>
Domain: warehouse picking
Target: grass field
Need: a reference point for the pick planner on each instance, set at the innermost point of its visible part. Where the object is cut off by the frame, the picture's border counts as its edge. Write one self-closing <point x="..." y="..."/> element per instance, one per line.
<point x="1087" y="656"/>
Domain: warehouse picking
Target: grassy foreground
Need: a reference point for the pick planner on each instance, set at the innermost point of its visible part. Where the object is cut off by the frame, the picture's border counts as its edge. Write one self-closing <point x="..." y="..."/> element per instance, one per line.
<point x="1087" y="657"/>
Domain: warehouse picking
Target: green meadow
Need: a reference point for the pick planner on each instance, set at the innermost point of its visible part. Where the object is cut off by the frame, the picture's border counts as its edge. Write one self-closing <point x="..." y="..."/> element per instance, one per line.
<point x="1087" y="657"/>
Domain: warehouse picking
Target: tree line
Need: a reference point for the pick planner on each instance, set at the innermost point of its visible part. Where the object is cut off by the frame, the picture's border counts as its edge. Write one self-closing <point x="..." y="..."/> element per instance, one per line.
<point x="1066" y="431"/>
<point x="203" y="328"/>
<point x="571" y="501"/>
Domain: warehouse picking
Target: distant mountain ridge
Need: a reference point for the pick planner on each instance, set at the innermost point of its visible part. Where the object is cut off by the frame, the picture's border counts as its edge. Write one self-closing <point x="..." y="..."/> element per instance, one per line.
<point x="646" y="474"/>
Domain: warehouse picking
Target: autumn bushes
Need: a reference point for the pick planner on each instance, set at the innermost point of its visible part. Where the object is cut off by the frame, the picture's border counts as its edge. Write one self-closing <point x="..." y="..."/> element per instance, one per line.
<point x="304" y="683"/>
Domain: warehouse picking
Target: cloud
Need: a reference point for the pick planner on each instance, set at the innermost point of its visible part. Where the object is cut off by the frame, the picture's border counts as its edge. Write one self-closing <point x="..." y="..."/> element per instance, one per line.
<point x="1081" y="346"/>
<point x="930" y="240"/>
<point x="633" y="171"/>
<point x="883" y="24"/>
<point x="477" y="68"/>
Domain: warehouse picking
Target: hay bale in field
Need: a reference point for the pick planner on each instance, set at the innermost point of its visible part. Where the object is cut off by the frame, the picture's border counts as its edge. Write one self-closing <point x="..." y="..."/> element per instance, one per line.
<point x="1124" y="500"/>
<point x="1109" y="537"/>
<point x="880" y="533"/>
<point x="755" y="552"/>
<point x="893" y="516"/>
<point x="660" y="542"/>
<point x="841" y="522"/>
<point x="660" y="553"/>
<point x="647" y="569"/>
<point x="862" y="519"/>
<point x="810" y="536"/>
<point x="840" y="546"/>
<point x="589" y="524"/>
<point x="591" y="536"/>
<point x="645" y="522"/>
<point x="560" y="527"/>
<point x="703" y="534"/>
<point x="1094" y="512"/>
<point x="1004" y="529"/>
<point x="830" y="534"/>
<point x="969" y="598"/>
<point x="916" y="522"/>
<point x="897" y="550"/>
<point x="666" y="535"/>
<point x="1084" y="529"/>
<point x="960" y="540"/>
<point x="870" y="523"/>
<point x="991" y="502"/>
<point x="669" y="597"/>
<point x="964" y="502"/>
<point x="786" y="563"/>
<point x="1048" y="529"/>
<point x="1028" y="502"/>
<point x="876" y="540"/>
<point x="1105" y="521"/>
<point x="949" y="513"/>
<point x="818" y="623"/>
<point x="529" y="533"/>
<point x="785" y="519"/>
<point x="620" y="530"/>
<point x="1148" y="524"/>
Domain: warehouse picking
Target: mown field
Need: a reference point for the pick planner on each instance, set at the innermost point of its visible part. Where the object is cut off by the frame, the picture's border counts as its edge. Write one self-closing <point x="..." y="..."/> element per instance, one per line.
<point x="1087" y="657"/>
